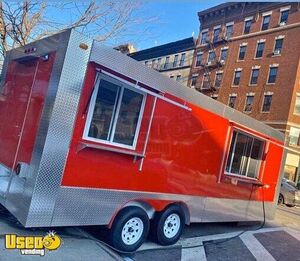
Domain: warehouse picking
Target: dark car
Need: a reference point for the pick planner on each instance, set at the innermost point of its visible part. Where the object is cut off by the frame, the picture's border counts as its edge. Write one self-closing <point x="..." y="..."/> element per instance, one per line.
<point x="289" y="194"/>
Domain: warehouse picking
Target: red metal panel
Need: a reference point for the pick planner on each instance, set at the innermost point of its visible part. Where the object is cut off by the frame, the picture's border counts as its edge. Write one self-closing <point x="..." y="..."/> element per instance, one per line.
<point x="183" y="156"/>
<point x="20" y="116"/>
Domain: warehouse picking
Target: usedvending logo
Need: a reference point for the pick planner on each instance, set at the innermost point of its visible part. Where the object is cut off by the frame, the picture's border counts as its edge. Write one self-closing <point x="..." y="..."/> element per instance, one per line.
<point x="33" y="245"/>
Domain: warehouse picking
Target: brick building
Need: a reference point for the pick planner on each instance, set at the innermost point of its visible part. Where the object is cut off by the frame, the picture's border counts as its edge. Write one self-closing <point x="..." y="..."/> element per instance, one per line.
<point x="172" y="59"/>
<point x="247" y="56"/>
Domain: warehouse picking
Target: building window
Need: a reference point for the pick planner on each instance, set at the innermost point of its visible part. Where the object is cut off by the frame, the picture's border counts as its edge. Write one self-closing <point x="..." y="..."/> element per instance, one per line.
<point x="206" y="81"/>
<point x="166" y="65"/>
<point x="199" y="58"/>
<point x="272" y="74"/>
<point x="247" y="26"/>
<point x="266" y="22"/>
<point x="254" y="76"/>
<point x="245" y="155"/>
<point x="175" y="60"/>
<point x="242" y="52"/>
<point x="224" y="53"/>
<point x="249" y="103"/>
<point x="218" y="80"/>
<point x="178" y="78"/>
<point x="217" y="32"/>
<point x="211" y="56"/>
<point x="229" y="31"/>
<point x="297" y="105"/>
<point x="284" y="17"/>
<point x="182" y="59"/>
<point x="260" y="50"/>
<point x="294" y="137"/>
<point x="278" y="46"/>
<point x="232" y="100"/>
<point x="203" y="37"/>
<point x="237" y="78"/>
<point x="158" y="63"/>
<point x="114" y="113"/>
<point x="194" y="79"/>
<point x="267" y="103"/>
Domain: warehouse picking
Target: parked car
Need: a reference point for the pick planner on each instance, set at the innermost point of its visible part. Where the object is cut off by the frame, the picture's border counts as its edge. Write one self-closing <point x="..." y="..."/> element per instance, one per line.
<point x="289" y="194"/>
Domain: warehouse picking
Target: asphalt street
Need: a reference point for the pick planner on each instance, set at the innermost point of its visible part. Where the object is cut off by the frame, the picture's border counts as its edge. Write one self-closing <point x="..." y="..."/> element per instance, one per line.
<point x="278" y="240"/>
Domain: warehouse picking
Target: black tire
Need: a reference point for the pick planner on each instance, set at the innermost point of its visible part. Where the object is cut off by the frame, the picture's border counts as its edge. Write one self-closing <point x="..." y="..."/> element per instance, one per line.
<point x="129" y="217"/>
<point x="280" y="199"/>
<point x="158" y="232"/>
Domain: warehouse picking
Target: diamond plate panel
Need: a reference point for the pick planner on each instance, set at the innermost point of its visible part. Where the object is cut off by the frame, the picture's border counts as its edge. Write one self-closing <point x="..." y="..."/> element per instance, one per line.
<point x="59" y="131"/>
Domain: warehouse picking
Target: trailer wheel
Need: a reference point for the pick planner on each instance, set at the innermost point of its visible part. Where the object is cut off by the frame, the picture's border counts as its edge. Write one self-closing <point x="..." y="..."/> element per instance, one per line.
<point x="280" y="199"/>
<point x="129" y="229"/>
<point x="167" y="226"/>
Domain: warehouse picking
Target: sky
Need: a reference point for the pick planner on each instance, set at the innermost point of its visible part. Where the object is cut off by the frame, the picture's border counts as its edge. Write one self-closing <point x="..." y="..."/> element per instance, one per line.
<point x="176" y="19"/>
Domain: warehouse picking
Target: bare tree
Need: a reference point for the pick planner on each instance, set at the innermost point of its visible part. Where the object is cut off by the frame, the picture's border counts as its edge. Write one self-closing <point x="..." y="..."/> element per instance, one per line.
<point x="28" y="20"/>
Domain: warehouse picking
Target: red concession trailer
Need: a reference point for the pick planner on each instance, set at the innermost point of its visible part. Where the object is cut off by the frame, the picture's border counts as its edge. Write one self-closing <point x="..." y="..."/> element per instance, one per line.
<point x="89" y="136"/>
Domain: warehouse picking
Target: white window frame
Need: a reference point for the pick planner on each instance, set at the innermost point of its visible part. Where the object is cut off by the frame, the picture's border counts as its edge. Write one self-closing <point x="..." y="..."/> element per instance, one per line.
<point x="223" y="49"/>
<point x="262" y="105"/>
<point x="123" y="85"/>
<point x="248" y="95"/>
<point x="272" y="66"/>
<point x="236" y="70"/>
<point x="279" y="37"/>
<point x="295" y="113"/>
<point x="256" y="67"/>
<point x="262" y="21"/>
<point x="282" y="9"/>
<point x="204" y="75"/>
<point x="217" y="73"/>
<point x="258" y="42"/>
<point x="242" y="45"/>
<point x="231" y="95"/>
<point x="199" y="52"/>
<point x="202" y="32"/>
<point x="238" y="130"/>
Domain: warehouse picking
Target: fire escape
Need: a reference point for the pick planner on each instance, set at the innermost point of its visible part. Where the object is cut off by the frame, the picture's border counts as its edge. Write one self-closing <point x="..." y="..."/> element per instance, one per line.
<point x="213" y="63"/>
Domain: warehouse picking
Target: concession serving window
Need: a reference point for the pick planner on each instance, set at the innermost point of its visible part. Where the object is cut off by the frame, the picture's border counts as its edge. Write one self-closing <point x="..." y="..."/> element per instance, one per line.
<point x="115" y="113"/>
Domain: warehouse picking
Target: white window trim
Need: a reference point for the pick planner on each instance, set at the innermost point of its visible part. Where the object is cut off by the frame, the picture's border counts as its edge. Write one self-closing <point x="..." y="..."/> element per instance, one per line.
<point x="217" y="27"/>
<point x="248" y="18"/>
<point x="89" y="117"/>
<point x="205" y="74"/>
<point x="251" y="94"/>
<point x="294" y="112"/>
<point x="253" y="68"/>
<point x="279" y="37"/>
<point x="204" y="30"/>
<point x="258" y="42"/>
<point x="236" y="70"/>
<point x="229" y="23"/>
<point x="218" y="72"/>
<point x="271" y="66"/>
<point x="266" y="13"/>
<point x="282" y="9"/>
<point x="225" y="48"/>
<point x="261" y="41"/>
<point x="262" y="105"/>
<point x="274" y="65"/>
<point x="238" y="56"/>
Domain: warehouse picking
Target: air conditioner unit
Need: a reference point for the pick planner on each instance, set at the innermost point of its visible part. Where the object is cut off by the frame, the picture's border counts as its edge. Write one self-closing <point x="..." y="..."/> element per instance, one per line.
<point x="282" y="24"/>
<point x="277" y="52"/>
<point x="222" y="61"/>
<point x="208" y="63"/>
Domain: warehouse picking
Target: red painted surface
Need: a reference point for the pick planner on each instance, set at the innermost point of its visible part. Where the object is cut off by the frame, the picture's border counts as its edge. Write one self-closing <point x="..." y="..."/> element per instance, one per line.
<point x="21" y="103"/>
<point x="184" y="155"/>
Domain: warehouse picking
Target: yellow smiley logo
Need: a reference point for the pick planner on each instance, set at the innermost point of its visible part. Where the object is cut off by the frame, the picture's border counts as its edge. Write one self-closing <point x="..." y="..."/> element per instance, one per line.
<point x="51" y="241"/>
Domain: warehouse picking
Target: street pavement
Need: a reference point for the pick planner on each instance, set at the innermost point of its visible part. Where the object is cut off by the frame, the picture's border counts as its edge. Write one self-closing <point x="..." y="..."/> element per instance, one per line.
<point x="278" y="240"/>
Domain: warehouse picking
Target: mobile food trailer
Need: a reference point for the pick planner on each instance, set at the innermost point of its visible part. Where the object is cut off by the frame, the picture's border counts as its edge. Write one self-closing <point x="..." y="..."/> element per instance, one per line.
<point x="88" y="136"/>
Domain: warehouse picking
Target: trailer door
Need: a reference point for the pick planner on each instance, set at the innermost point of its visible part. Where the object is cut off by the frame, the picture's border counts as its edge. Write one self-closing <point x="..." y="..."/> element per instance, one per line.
<point x="21" y="102"/>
